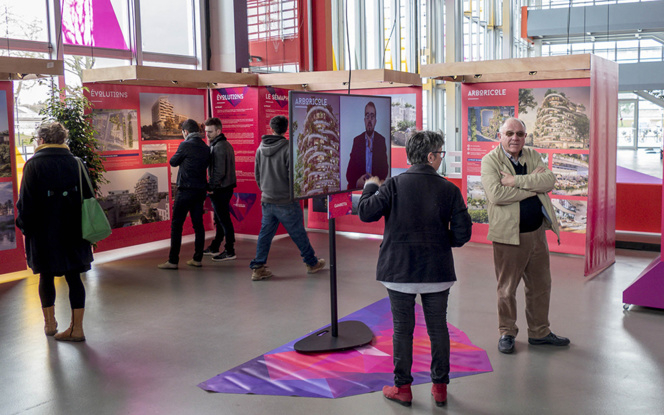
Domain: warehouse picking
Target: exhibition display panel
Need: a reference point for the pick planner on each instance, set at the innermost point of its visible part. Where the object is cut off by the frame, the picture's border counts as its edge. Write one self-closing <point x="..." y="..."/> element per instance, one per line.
<point x="569" y="105"/>
<point x="11" y="238"/>
<point x="12" y="253"/>
<point x="138" y="131"/>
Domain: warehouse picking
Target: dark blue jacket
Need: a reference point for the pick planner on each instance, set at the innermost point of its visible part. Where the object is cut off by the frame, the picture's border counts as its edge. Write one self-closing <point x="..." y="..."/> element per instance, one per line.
<point x="425" y="216"/>
<point x="192" y="157"/>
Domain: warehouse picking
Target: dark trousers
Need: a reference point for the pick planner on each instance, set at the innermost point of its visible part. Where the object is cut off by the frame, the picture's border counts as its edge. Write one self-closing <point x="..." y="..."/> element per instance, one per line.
<point x="76" y="290"/>
<point x="221" y="199"/>
<point x="435" y="316"/>
<point x="187" y="201"/>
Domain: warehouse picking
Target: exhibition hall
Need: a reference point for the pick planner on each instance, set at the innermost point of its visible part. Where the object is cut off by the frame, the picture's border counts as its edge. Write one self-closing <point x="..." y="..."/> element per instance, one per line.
<point x="305" y="169"/>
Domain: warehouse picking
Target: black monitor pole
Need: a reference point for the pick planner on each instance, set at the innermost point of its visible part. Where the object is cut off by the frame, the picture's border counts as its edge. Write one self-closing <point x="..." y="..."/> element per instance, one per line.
<point x="338" y="335"/>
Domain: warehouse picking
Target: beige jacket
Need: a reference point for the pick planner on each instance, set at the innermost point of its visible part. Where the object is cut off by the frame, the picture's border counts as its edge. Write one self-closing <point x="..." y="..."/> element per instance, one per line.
<point x="503" y="208"/>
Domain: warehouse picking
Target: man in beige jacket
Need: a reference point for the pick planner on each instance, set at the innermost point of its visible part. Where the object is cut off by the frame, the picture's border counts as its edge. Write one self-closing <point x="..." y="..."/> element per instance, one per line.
<point x="517" y="182"/>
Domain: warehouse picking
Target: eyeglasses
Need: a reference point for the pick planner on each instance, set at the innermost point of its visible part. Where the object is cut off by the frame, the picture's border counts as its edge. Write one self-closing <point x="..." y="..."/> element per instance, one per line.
<point x="370" y="116"/>
<point x="519" y="134"/>
<point x="442" y="153"/>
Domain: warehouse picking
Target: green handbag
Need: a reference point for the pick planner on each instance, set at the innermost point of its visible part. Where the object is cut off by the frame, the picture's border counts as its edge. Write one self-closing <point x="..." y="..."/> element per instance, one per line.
<point x="94" y="223"/>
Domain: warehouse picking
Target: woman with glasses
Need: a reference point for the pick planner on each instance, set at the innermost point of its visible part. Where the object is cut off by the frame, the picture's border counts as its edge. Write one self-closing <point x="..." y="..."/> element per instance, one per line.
<point x="425" y="216"/>
<point x="49" y="215"/>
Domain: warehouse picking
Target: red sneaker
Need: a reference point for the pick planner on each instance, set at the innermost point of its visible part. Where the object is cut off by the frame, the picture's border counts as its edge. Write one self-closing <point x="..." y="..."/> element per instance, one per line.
<point x="439" y="392"/>
<point x="399" y="394"/>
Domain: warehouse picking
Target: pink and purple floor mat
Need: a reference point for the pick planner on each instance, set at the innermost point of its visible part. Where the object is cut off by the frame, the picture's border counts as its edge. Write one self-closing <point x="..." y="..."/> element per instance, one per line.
<point x="285" y="372"/>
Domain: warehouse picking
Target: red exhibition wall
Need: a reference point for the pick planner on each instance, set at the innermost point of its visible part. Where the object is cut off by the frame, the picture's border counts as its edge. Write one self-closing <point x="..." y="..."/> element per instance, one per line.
<point x="571" y="123"/>
<point x="12" y="254"/>
<point x="138" y="132"/>
<point x="245" y="113"/>
<point x="406" y="116"/>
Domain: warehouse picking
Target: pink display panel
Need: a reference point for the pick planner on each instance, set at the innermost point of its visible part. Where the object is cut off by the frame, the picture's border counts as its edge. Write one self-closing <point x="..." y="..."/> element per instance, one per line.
<point x="564" y="149"/>
<point x="12" y="254"/>
<point x="245" y="113"/>
<point x="571" y="123"/>
<point x="138" y="132"/>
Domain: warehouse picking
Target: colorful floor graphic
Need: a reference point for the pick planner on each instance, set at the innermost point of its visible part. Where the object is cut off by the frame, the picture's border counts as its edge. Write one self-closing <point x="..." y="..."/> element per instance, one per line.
<point x="285" y="372"/>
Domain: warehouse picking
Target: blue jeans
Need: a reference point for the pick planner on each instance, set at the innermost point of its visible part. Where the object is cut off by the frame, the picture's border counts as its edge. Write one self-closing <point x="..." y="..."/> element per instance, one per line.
<point x="187" y="201"/>
<point x="435" y="316"/>
<point x="290" y="216"/>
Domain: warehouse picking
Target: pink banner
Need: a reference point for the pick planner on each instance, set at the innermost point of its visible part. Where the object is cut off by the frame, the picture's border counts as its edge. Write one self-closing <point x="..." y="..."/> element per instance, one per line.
<point x="601" y="233"/>
<point x="557" y="115"/>
<point x="139" y="130"/>
<point x="12" y="254"/>
<point x="245" y="113"/>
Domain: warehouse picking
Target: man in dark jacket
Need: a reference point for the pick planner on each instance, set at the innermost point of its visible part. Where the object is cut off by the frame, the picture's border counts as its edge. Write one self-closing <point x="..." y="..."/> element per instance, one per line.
<point x="271" y="171"/>
<point x="221" y="183"/>
<point x="368" y="156"/>
<point x="192" y="157"/>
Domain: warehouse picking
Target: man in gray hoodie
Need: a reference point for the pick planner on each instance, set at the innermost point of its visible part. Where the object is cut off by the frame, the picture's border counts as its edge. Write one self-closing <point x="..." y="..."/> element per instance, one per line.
<point x="272" y="171"/>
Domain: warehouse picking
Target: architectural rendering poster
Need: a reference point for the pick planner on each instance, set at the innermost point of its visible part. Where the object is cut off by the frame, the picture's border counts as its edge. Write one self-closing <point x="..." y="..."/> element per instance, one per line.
<point x="557" y="117"/>
<point x="162" y="114"/>
<point x="139" y="130"/>
<point x="245" y="113"/>
<point x="12" y="257"/>
<point x="135" y="196"/>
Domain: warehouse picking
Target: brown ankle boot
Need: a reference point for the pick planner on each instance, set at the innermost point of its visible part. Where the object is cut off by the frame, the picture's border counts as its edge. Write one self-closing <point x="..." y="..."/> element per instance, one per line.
<point x="50" y="325"/>
<point x="75" y="331"/>
<point x="399" y="394"/>
<point x="439" y="392"/>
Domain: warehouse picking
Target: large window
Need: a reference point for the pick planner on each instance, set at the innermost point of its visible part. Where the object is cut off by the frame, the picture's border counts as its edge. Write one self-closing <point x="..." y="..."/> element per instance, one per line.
<point x="168" y="27"/>
<point x="93" y="34"/>
<point x="24" y="20"/>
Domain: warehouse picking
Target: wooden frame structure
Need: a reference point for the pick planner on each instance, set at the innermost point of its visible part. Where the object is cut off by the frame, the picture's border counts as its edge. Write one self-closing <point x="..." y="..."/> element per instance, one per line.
<point x="309" y="81"/>
<point x="338" y="80"/>
<point x="16" y="68"/>
<point x="158" y="76"/>
<point x="505" y="70"/>
<point x="602" y="76"/>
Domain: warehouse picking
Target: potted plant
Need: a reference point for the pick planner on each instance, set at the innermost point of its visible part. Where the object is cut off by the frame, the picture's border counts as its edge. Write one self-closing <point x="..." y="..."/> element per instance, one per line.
<point x="72" y="109"/>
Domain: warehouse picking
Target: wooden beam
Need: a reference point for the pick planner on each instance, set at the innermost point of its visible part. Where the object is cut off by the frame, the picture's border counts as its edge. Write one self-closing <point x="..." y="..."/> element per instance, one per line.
<point x="338" y="80"/>
<point x="30" y="66"/>
<point x="158" y="76"/>
<point x="547" y="67"/>
<point x="539" y="76"/>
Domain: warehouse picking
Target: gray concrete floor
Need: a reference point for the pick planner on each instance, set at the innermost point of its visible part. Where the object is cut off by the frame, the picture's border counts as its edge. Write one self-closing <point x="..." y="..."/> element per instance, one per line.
<point x="643" y="160"/>
<point x="153" y="335"/>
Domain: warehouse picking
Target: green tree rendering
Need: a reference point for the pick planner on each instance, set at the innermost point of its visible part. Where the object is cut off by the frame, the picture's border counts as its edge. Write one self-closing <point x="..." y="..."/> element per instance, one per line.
<point x="526" y="100"/>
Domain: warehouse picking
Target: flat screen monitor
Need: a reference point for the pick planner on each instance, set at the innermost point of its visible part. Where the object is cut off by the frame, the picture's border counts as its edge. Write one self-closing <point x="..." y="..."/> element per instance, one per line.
<point x="337" y="141"/>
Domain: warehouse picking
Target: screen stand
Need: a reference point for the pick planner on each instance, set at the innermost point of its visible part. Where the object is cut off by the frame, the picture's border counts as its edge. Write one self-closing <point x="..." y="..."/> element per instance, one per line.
<point x="339" y="335"/>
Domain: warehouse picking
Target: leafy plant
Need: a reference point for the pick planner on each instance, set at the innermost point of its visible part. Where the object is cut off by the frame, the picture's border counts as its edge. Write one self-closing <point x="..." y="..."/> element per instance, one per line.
<point x="71" y="108"/>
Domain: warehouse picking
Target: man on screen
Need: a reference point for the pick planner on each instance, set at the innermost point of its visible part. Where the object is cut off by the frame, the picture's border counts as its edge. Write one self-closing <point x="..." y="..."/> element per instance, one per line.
<point x="369" y="154"/>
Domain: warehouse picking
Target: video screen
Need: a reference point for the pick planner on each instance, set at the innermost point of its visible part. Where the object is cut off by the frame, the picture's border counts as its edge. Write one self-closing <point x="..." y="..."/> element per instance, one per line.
<point x="337" y="141"/>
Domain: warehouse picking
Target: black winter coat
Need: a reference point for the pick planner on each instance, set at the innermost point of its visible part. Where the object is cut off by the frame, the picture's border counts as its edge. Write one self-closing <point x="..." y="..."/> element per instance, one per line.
<point x="49" y="213"/>
<point x="192" y="157"/>
<point x="425" y="216"/>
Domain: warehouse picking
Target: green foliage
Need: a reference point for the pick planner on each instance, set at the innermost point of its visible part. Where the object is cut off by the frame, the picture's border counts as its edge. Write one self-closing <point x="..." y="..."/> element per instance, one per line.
<point x="526" y="100"/>
<point x="479" y="216"/>
<point x="71" y="109"/>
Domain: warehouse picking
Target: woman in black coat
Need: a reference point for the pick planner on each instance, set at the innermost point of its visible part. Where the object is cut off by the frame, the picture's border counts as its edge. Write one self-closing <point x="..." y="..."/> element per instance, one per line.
<point x="49" y="215"/>
<point x="425" y="216"/>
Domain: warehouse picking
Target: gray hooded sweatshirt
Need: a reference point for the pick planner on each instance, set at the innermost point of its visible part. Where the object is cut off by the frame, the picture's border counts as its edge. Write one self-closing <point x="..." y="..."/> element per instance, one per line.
<point x="272" y="170"/>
